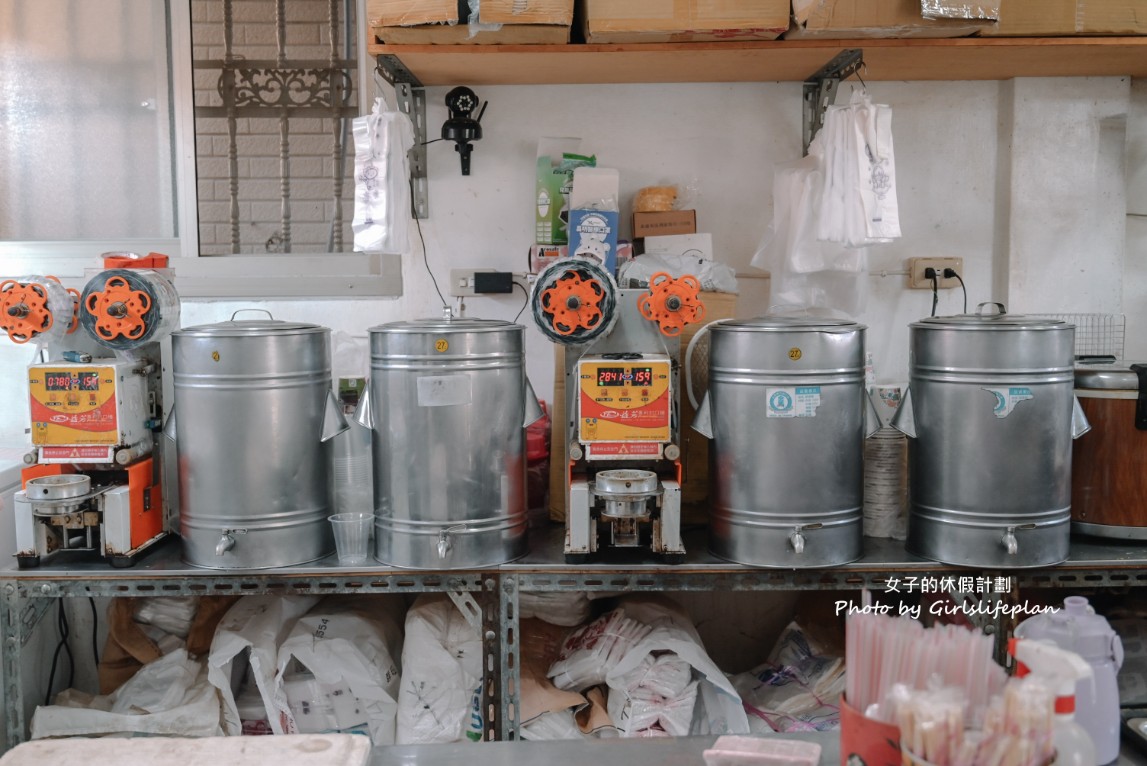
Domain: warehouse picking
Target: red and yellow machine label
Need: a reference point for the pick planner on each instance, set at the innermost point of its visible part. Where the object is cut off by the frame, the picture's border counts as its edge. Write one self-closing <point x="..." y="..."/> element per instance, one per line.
<point x="73" y="405"/>
<point x="624" y="401"/>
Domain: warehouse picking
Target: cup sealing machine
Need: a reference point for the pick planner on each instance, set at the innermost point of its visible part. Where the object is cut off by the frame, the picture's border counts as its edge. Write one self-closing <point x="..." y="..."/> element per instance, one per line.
<point x="92" y="481"/>
<point x="622" y="404"/>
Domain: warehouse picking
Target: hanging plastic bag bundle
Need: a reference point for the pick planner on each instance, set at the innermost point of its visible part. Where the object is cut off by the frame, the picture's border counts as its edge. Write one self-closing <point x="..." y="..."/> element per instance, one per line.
<point x="382" y="180"/>
<point x="830" y="206"/>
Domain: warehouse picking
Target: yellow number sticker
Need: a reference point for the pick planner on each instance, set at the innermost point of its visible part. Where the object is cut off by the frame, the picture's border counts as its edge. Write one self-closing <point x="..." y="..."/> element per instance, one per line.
<point x="441" y="345"/>
<point x="794" y="354"/>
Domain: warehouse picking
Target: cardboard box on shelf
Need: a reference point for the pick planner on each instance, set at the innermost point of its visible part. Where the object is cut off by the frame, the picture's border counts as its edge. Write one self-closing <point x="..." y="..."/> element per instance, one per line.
<point x="557" y="158"/>
<point x="676" y="21"/>
<point x="415" y="22"/>
<point x="873" y="18"/>
<point x="1053" y="18"/>
<point x="668" y="222"/>
<point x="694" y="446"/>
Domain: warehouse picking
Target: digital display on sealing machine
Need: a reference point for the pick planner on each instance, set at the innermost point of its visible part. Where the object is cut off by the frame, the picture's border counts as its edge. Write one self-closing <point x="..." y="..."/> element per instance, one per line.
<point x="615" y="376"/>
<point x="66" y="381"/>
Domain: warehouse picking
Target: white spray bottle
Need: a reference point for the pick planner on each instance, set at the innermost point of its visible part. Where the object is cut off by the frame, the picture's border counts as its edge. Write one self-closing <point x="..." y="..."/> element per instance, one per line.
<point x="1073" y="745"/>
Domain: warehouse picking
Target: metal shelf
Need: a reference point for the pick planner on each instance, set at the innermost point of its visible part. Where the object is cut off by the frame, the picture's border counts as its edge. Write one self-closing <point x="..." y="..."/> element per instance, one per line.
<point x="27" y="595"/>
<point x="964" y="58"/>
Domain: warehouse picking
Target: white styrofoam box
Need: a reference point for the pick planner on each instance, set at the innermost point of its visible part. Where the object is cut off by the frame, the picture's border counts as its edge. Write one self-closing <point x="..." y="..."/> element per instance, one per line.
<point x="699" y="245"/>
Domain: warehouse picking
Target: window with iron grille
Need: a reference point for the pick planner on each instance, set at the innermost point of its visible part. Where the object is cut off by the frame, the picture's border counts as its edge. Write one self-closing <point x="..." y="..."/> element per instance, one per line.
<point x="274" y="91"/>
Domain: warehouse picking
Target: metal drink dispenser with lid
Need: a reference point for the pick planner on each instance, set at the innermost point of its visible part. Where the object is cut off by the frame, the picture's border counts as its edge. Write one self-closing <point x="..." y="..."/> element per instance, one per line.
<point x="1079" y="629"/>
<point x="990" y="418"/>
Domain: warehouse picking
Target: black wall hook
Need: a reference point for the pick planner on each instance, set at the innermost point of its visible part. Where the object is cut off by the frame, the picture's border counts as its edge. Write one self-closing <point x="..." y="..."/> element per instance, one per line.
<point x="461" y="127"/>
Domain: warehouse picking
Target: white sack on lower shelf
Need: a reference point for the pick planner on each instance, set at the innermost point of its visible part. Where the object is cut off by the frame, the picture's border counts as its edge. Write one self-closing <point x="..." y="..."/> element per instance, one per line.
<point x="439" y="699"/>
<point x="170" y="697"/>
<point x="348" y="649"/>
<point x="258" y="625"/>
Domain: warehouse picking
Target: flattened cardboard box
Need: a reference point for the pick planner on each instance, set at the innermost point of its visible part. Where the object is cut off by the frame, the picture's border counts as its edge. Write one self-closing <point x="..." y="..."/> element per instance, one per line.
<point x="677" y="21"/>
<point x="871" y="19"/>
<point x="443" y="22"/>
<point x="408" y="13"/>
<point x="459" y="34"/>
<point x="1054" y="18"/>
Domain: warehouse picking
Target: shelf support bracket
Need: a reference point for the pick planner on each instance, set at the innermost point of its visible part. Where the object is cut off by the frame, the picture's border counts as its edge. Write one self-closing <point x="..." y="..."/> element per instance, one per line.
<point x="411" y="96"/>
<point x="820" y="90"/>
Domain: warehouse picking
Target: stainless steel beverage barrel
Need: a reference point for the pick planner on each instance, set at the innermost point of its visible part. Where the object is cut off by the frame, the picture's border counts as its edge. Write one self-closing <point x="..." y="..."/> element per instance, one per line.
<point x="786" y="410"/>
<point x="989" y="413"/>
<point x="253" y="407"/>
<point x="448" y="408"/>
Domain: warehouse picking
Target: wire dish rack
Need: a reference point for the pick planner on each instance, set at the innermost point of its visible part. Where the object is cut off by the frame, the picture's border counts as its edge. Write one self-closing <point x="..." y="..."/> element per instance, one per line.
<point x="1095" y="334"/>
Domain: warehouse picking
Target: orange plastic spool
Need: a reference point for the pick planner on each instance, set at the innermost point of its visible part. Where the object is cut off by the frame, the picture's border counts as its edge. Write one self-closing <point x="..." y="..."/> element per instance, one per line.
<point x="119" y="310"/>
<point x="672" y="303"/>
<point x="24" y="312"/>
<point x="575" y="303"/>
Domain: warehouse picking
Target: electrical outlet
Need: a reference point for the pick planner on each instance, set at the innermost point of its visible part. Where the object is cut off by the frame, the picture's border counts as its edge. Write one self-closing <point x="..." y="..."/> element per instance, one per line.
<point x="462" y="282"/>
<point x="916" y="267"/>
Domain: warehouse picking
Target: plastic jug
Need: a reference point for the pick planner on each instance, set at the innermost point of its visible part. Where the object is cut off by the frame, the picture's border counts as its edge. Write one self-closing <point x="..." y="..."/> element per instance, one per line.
<point x="1079" y="629"/>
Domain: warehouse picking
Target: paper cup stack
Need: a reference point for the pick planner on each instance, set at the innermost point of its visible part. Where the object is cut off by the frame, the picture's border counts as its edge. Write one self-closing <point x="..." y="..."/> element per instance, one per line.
<point x="886" y="470"/>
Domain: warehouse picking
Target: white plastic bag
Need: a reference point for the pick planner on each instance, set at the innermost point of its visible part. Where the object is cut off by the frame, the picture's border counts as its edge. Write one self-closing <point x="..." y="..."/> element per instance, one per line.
<point x="591" y="652"/>
<point x="440" y="695"/>
<point x="255" y="626"/>
<point x="798" y="688"/>
<point x="170" y="696"/>
<point x="349" y="650"/>
<point x="382" y="180"/>
<point x="717" y="708"/>
<point x="713" y="276"/>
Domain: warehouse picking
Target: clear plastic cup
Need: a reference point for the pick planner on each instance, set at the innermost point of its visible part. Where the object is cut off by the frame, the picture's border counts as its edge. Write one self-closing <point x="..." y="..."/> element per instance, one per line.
<point x="352" y="536"/>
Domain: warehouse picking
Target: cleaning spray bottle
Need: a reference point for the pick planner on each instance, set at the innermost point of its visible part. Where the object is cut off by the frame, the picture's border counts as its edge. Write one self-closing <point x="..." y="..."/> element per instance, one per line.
<point x="1062" y="669"/>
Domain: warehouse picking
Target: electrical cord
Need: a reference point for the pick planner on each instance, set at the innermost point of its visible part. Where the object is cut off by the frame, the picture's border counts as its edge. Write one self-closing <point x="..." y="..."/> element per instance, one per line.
<point x="95" y="631"/>
<point x="62" y="625"/>
<point x="425" y="260"/>
<point x="524" y="303"/>
<point x="935" y="289"/>
<point x="951" y="274"/>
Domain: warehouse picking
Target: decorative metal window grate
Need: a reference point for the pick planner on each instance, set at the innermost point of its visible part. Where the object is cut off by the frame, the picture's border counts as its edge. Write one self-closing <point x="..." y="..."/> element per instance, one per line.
<point x="272" y="129"/>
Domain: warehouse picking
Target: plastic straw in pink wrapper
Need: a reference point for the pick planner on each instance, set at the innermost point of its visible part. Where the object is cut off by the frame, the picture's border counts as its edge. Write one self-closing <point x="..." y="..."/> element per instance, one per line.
<point x="882" y="651"/>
